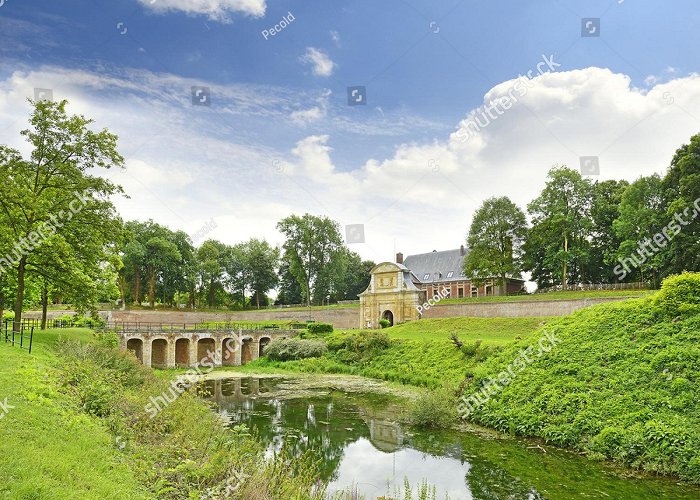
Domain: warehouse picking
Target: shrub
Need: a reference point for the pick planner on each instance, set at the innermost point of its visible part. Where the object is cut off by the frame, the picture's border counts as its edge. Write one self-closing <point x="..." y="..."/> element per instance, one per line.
<point x="679" y="295"/>
<point x="384" y="323"/>
<point x="320" y="328"/>
<point x="294" y="348"/>
<point x="436" y="408"/>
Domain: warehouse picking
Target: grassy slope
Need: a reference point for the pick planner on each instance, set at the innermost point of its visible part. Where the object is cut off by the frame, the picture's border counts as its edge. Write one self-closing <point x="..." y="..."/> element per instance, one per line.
<point x="47" y="449"/>
<point x="421" y="352"/>
<point x="622" y="384"/>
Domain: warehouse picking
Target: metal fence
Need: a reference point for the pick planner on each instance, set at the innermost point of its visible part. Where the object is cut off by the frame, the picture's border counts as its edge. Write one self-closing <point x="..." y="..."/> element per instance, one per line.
<point x="585" y="287"/>
<point x="24" y="338"/>
<point x="137" y="326"/>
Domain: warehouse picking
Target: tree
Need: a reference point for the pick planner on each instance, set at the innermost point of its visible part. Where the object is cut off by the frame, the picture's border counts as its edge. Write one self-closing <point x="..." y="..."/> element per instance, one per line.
<point x="495" y="242"/>
<point x="641" y="215"/>
<point x="289" y="288"/>
<point x="52" y="194"/>
<point x="312" y="248"/>
<point x="682" y="192"/>
<point x="605" y="242"/>
<point x="212" y="257"/>
<point x="557" y="242"/>
<point x="260" y="262"/>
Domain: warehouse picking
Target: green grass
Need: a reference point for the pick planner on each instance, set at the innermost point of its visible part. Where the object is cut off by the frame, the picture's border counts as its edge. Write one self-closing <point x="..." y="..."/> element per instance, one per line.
<point x="420" y="352"/>
<point x="47" y="448"/>
<point x="622" y="383"/>
<point x="571" y="295"/>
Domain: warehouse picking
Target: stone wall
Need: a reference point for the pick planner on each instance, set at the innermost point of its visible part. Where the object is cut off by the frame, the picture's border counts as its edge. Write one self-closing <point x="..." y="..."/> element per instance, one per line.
<point x="349" y="317"/>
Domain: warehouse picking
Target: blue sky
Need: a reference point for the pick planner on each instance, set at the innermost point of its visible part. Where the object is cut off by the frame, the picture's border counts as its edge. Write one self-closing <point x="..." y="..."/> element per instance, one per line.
<point x="279" y="111"/>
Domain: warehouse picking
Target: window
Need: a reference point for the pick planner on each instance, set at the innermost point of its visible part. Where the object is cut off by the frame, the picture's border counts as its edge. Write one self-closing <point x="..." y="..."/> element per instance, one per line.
<point x="460" y="292"/>
<point x="426" y="277"/>
<point x="450" y="274"/>
<point x="475" y="291"/>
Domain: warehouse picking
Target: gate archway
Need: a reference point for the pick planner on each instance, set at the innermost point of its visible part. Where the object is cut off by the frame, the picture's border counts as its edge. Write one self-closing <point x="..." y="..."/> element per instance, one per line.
<point x="389" y="316"/>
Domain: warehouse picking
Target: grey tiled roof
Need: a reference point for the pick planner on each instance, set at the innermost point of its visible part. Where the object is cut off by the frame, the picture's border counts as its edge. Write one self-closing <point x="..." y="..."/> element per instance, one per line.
<point x="437" y="264"/>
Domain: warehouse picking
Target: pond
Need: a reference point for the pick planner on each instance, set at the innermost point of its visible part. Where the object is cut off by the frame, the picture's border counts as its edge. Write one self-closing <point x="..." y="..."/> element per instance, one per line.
<point x="362" y="446"/>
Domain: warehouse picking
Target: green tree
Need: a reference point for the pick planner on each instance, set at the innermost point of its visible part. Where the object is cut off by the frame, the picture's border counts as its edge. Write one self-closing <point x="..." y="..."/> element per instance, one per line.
<point x="312" y="248"/>
<point x="54" y="194"/>
<point x="682" y="192"/>
<point x="641" y="216"/>
<point x="212" y="257"/>
<point x="260" y="262"/>
<point x="495" y="242"/>
<point x="558" y="242"/>
<point x="605" y="206"/>
<point x="289" y="288"/>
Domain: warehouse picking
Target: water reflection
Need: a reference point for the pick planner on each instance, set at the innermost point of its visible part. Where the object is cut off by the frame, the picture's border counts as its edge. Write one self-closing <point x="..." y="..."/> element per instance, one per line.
<point x="360" y="444"/>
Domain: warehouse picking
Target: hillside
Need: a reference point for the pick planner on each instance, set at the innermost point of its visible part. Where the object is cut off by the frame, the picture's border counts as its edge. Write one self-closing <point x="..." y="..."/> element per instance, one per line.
<point x="621" y="382"/>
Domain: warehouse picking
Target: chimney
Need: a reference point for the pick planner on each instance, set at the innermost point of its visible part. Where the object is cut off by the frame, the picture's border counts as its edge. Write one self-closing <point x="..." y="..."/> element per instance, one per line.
<point x="461" y="251"/>
<point x="399" y="258"/>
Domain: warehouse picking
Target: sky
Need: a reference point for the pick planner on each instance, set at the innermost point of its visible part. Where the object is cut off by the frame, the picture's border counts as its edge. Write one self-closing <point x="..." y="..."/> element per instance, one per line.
<point x="233" y="114"/>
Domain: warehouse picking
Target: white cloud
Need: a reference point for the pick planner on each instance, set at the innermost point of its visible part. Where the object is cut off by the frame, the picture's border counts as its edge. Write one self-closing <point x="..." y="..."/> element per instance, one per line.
<point x="216" y="10"/>
<point x="335" y="36"/>
<point x="186" y="165"/>
<point x="305" y="116"/>
<point x="322" y="64"/>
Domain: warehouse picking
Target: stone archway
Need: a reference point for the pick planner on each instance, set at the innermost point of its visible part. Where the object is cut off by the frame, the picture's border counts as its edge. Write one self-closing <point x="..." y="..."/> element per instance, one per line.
<point x="246" y="350"/>
<point x="205" y="351"/>
<point x="159" y="353"/>
<point x="389" y="316"/>
<point x="228" y="353"/>
<point x="264" y="341"/>
<point x="136" y="347"/>
<point x="182" y="352"/>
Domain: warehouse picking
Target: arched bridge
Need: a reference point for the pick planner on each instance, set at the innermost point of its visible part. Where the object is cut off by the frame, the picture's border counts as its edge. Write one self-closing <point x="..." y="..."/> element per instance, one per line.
<point x="171" y="346"/>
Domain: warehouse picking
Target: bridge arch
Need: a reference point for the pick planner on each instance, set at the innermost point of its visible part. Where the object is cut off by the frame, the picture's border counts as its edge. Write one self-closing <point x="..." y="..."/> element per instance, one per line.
<point x="136" y="347"/>
<point x="182" y="352"/>
<point x="264" y="341"/>
<point x="206" y="347"/>
<point x="159" y="353"/>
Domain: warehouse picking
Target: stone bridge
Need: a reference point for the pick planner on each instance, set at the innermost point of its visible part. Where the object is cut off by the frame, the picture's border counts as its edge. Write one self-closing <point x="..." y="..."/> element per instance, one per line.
<point x="191" y="347"/>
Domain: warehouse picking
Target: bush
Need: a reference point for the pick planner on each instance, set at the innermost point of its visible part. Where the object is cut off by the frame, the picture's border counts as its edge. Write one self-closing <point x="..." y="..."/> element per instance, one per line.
<point x="679" y="295"/>
<point x="436" y="408"/>
<point x="320" y="328"/>
<point x="294" y="348"/>
<point x="384" y="323"/>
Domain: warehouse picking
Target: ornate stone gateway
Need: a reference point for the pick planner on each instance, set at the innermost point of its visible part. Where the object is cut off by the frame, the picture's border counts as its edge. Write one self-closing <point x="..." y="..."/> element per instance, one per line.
<point x="391" y="295"/>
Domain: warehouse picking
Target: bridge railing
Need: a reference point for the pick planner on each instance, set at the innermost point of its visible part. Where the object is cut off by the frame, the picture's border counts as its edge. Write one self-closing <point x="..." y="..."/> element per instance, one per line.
<point x="138" y="326"/>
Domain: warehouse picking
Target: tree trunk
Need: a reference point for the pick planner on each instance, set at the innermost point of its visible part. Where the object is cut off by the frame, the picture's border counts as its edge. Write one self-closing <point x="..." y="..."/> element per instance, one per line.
<point x="44" y="306"/>
<point x="566" y="252"/>
<point x="152" y="288"/>
<point x="137" y="287"/>
<point x="257" y="298"/>
<point x="21" y="268"/>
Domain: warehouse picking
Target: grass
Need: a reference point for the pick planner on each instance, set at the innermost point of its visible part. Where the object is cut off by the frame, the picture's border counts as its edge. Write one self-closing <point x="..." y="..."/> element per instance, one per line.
<point x="419" y="353"/>
<point x="622" y="383"/>
<point x="47" y="448"/>
<point x="569" y="295"/>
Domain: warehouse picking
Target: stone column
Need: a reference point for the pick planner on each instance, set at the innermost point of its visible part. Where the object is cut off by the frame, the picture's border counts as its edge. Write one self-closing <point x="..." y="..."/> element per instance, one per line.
<point x="193" y="351"/>
<point x="170" y="352"/>
<point x="255" y="349"/>
<point x="237" y="355"/>
<point x="218" y="346"/>
<point x="147" y="350"/>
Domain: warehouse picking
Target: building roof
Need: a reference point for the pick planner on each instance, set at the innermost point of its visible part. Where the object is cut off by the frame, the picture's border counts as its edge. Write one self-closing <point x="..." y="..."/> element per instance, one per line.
<point x="437" y="267"/>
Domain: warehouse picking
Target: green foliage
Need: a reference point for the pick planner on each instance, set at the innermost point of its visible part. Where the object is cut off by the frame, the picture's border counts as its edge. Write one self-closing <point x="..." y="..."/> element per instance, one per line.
<point x="679" y="296"/>
<point x="294" y="348"/>
<point x="434" y="409"/>
<point x="320" y="328"/>
<point x="495" y="240"/>
<point x="384" y="323"/>
<point x="620" y="384"/>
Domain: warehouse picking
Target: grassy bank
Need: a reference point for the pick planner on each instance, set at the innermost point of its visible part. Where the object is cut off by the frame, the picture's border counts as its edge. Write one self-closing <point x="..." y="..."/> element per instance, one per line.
<point x="78" y="426"/>
<point x="621" y="383"/>
<point x="569" y="295"/>
<point x="419" y="353"/>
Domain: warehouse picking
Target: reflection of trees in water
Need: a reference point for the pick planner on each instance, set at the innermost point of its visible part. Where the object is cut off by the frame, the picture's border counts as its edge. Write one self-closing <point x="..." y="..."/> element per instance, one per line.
<point x="485" y="479"/>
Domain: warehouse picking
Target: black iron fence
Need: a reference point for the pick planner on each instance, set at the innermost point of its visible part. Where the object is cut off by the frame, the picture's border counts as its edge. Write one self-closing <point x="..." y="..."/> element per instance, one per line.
<point x="24" y="338"/>
<point x="137" y="326"/>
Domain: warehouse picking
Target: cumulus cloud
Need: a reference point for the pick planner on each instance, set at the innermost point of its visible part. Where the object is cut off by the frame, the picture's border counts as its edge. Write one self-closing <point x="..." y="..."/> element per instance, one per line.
<point x="216" y="10"/>
<point x="319" y="60"/>
<point x="187" y="164"/>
